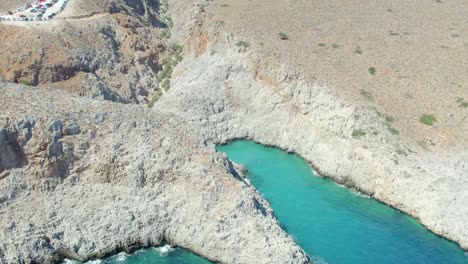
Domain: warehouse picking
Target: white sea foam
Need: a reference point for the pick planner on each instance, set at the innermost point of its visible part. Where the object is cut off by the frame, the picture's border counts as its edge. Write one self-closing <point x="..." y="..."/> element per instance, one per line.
<point x="318" y="260"/>
<point x="69" y="261"/>
<point x="97" y="261"/>
<point x="360" y="194"/>
<point x="164" y="250"/>
<point x="122" y="256"/>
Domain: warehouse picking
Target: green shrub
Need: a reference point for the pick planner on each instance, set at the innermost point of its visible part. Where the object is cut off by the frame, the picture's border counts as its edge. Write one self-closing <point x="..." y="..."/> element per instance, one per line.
<point x="372" y="70"/>
<point x="168" y="21"/>
<point x="166" y="71"/>
<point x="283" y="36"/>
<point x="154" y="99"/>
<point x="393" y="130"/>
<point x="428" y="120"/>
<point x="358" y="50"/>
<point x="243" y="44"/>
<point x="366" y="95"/>
<point x="25" y="82"/>
<point x="462" y="102"/>
<point x="178" y="58"/>
<point x="165" y="34"/>
<point x="177" y="49"/>
<point x="389" y="119"/>
<point x="166" y="84"/>
<point x="358" y="133"/>
<point x="424" y="145"/>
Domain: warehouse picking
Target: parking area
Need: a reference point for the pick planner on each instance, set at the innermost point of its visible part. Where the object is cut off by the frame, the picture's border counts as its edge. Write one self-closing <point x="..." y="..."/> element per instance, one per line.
<point x="38" y="10"/>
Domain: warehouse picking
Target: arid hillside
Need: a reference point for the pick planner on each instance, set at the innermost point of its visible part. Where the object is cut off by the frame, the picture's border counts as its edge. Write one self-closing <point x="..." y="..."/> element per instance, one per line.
<point x="407" y="59"/>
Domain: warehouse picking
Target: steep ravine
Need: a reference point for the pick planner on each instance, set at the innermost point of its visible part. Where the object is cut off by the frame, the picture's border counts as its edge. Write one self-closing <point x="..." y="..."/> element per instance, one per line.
<point x="229" y="94"/>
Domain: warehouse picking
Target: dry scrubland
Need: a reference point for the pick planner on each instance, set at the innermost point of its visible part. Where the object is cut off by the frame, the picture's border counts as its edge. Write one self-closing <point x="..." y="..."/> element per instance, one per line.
<point x="405" y="58"/>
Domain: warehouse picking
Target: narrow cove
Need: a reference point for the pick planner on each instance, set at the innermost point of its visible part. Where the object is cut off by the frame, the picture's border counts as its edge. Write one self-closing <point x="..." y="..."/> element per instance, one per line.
<point x="332" y="224"/>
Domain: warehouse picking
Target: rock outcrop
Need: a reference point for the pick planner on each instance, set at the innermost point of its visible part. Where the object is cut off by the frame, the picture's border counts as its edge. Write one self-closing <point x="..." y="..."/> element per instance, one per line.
<point x="83" y="178"/>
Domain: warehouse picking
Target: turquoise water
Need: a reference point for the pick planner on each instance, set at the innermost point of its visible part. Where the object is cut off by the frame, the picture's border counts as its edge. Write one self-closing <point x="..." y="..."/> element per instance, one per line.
<point x="332" y="224"/>
<point x="152" y="256"/>
<point x="178" y="256"/>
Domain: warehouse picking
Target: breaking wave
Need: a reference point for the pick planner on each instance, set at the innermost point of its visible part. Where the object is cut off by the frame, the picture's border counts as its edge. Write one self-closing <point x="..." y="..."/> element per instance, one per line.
<point x="122" y="256"/>
<point x="164" y="250"/>
<point x="318" y="260"/>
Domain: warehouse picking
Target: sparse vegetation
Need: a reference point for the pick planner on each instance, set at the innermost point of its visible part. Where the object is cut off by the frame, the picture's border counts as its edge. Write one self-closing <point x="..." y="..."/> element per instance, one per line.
<point x="176" y="48"/>
<point x="166" y="84"/>
<point x="164" y="76"/>
<point x="389" y="123"/>
<point x="378" y="113"/>
<point x="283" y="36"/>
<point x="25" y="82"/>
<point x="335" y="46"/>
<point x="165" y="34"/>
<point x="366" y="95"/>
<point x="358" y="50"/>
<point x="389" y="119"/>
<point x="428" y="120"/>
<point x="462" y="102"/>
<point x="372" y="70"/>
<point x="322" y="44"/>
<point x="243" y="45"/>
<point x="168" y="21"/>
<point x="402" y="152"/>
<point x="154" y="99"/>
<point x="358" y="133"/>
<point x="166" y="71"/>
<point x="393" y="130"/>
<point x="424" y="145"/>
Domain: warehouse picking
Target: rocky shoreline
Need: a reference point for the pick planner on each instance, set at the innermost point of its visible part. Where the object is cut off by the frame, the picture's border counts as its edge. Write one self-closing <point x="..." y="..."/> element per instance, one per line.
<point x="82" y="177"/>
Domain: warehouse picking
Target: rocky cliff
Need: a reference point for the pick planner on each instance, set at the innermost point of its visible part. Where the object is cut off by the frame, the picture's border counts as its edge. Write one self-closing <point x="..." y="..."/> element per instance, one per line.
<point x="230" y="91"/>
<point x="82" y="178"/>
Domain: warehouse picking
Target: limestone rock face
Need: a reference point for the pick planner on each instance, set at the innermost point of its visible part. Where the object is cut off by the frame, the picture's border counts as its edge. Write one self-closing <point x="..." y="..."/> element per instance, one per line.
<point x="227" y="94"/>
<point x="82" y="178"/>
